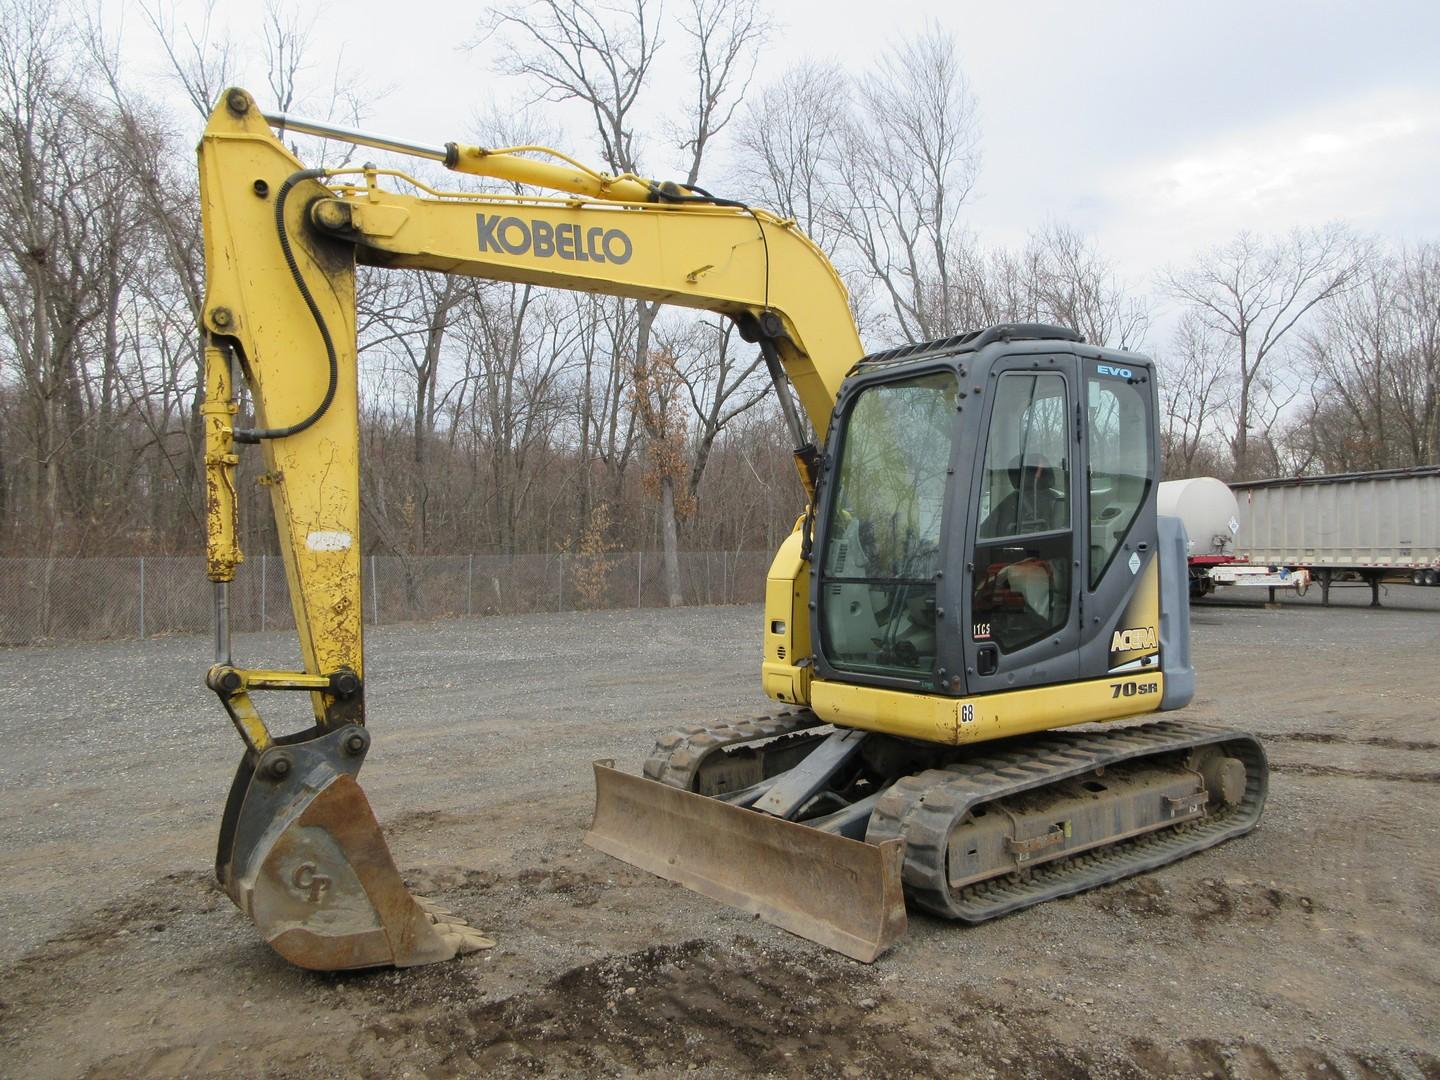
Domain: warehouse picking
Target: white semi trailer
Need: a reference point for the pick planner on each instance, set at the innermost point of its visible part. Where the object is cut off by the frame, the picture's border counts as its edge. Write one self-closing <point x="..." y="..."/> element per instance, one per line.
<point x="1371" y="528"/>
<point x="1211" y="514"/>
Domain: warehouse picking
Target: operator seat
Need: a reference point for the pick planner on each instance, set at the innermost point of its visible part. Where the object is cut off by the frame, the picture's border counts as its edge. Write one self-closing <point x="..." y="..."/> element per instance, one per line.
<point x="1034" y="504"/>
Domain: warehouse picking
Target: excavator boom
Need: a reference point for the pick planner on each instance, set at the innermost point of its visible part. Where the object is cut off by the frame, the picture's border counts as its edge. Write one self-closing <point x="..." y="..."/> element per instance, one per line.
<point x="300" y="850"/>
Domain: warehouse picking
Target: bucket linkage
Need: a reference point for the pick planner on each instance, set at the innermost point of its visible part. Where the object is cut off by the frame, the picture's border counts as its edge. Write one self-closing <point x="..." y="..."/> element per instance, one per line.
<point x="302" y="854"/>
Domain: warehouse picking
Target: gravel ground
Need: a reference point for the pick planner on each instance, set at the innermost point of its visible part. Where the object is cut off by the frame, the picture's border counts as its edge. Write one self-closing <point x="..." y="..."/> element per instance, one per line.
<point x="1309" y="948"/>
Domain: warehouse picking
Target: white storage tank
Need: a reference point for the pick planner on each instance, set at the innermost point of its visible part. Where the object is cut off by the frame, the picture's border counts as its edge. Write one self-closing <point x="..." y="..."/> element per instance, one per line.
<point x="1209" y="510"/>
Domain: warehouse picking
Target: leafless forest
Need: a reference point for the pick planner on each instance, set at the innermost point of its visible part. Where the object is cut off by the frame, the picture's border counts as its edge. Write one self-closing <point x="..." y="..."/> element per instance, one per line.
<point x="500" y="418"/>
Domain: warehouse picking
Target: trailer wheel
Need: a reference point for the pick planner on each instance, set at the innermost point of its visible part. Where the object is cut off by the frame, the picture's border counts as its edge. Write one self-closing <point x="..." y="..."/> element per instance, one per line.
<point x="1419" y="577"/>
<point x="1432" y="577"/>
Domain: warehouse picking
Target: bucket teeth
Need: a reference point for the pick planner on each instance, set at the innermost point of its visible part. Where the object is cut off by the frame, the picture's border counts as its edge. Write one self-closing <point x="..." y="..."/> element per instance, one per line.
<point x="454" y="929"/>
<point x="466" y="939"/>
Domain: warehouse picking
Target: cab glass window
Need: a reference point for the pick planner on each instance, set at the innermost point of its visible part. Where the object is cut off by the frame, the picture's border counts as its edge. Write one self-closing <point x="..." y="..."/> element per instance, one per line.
<point x="884" y="535"/>
<point x="1024" y="542"/>
<point x="1120" y="466"/>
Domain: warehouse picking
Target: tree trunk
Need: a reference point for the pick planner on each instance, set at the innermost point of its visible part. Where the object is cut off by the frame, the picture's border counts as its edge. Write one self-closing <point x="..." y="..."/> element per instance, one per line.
<point x="420" y="458"/>
<point x="670" y="541"/>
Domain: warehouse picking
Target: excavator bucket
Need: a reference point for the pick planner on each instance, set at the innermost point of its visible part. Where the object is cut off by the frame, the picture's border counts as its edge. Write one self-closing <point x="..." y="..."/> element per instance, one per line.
<point x="842" y="893"/>
<point x="302" y="854"/>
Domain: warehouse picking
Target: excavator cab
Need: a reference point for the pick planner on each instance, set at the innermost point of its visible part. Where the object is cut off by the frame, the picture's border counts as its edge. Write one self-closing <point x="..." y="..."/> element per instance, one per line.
<point x="979" y="496"/>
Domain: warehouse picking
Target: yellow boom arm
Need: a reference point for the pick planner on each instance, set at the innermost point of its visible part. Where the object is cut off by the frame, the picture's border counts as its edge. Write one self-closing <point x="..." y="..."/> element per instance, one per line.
<point x="281" y="244"/>
<point x="286" y="309"/>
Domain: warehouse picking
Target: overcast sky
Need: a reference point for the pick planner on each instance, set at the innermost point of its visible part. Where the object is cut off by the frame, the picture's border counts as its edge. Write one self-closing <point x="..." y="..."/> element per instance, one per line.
<point x="1159" y="128"/>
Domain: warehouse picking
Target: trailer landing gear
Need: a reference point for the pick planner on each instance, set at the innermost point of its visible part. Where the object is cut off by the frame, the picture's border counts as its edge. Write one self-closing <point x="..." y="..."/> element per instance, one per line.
<point x="1372" y="578"/>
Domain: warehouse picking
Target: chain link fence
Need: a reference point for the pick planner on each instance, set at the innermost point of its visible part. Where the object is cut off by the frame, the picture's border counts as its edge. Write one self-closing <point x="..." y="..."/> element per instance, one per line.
<point x="50" y="600"/>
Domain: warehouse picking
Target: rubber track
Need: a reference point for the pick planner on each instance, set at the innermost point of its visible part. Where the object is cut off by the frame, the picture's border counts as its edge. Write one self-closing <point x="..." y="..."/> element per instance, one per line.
<point x="923" y="809"/>
<point x="678" y="755"/>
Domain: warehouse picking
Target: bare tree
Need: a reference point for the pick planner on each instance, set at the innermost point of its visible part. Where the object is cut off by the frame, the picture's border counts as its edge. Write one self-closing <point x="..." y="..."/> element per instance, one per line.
<point x="284" y="40"/>
<point x="658" y="394"/>
<point x="1348" y="351"/>
<point x="724" y="38"/>
<point x="993" y="286"/>
<point x="199" y="62"/>
<point x="1419" y="363"/>
<point x="589" y="406"/>
<point x="601" y="59"/>
<point x="406" y="320"/>
<point x="1253" y="292"/>
<point x="287" y="43"/>
<point x="1193" y="386"/>
<point x="529" y="339"/>
<point x="1074" y="286"/>
<point x="608" y="427"/>
<point x="172" y="284"/>
<point x="911" y="153"/>
<point x="596" y="56"/>
<point x="719" y="385"/>
<point x="1373" y="357"/>
<point x="56" y="281"/>
<point x="787" y="151"/>
<point x="750" y="489"/>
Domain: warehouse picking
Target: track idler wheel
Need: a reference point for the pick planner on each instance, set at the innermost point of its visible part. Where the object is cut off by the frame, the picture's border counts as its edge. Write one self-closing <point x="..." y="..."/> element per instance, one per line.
<point x="302" y="854"/>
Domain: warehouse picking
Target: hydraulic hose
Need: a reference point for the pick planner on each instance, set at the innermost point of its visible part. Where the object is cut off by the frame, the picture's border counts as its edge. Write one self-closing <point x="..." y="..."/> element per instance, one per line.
<point x="254" y="435"/>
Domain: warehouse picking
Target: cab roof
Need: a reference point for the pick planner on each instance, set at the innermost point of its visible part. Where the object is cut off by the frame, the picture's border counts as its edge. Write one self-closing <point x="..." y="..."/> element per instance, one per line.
<point x="972" y="341"/>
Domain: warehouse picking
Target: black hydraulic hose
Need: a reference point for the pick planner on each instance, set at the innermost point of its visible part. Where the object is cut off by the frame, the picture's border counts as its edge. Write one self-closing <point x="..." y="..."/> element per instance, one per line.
<point x="705" y="196"/>
<point x="254" y="435"/>
<point x="670" y="192"/>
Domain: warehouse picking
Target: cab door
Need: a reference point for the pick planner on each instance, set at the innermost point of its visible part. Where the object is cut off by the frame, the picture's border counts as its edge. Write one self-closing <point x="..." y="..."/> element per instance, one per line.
<point x="1026" y="533"/>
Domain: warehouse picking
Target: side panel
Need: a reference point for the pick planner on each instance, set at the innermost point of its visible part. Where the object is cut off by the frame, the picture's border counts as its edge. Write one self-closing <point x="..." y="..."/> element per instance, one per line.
<point x="1121" y="572"/>
<point x="993" y="716"/>
<point x="1175" y="615"/>
<point x="787" y="625"/>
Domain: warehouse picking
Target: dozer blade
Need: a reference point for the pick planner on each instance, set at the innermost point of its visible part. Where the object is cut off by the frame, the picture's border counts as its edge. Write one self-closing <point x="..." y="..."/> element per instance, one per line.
<point x="842" y="893"/>
<point x="302" y="854"/>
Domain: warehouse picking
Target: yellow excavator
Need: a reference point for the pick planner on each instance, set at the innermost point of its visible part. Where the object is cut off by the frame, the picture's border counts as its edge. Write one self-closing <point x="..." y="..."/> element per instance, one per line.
<point x="980" y="562"/>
